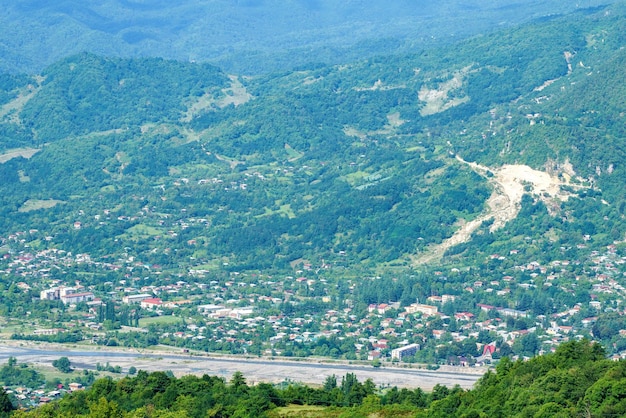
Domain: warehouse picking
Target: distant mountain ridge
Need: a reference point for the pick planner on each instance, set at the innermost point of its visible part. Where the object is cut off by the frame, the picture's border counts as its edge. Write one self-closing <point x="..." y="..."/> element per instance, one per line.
<point x="248" y="37"/>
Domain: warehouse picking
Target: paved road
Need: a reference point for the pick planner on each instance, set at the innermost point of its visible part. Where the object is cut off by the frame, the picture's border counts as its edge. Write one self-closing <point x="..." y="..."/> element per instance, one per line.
<point x="255" y="370"/>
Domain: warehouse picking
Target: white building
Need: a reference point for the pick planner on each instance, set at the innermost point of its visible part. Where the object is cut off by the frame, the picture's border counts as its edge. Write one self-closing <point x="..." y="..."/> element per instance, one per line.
<point x="74" y="298"/>
<point x="406" y="351"/>
<point x="136" y="298"/>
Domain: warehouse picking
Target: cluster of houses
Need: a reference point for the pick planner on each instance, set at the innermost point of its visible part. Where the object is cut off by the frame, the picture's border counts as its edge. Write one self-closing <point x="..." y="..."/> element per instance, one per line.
<point x="238" y="308"/>
<point x="29" y="397"/>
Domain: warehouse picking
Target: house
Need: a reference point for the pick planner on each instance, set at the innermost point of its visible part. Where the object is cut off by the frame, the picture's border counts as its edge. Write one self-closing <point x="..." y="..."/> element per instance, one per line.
<point x="209" y="308"/>
<point x="485" y="308"/>
<point x="151" y="303"/>
<point x="74" y="298"/>
<point x="380" y="309"/>
<point x="588" y="321"/>
<point x="136" y="298"/>
<point x="595" y="304"/>
<point x="463" y="316"/>
<point x="50" y="294"/>
<point x="448" y="298"/>
<point x="48" y="331"/>
<point x="438" y="333"/>
<point x="428" y="310"/>
<point x="76" y="386"/>
<point x="489" y="349"/>
<point x="435" y="299"/>
<point x="512" y="312"/>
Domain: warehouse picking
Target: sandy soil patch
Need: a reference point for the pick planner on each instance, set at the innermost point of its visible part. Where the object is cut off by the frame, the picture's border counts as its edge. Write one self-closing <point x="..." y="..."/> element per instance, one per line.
<point x="236" y="95"/>
<point x="379" y="85"/>
<point x="510" y="183"/>
<point x="21" y="152"/>
<point x="568" y="57"/>
<point x="231" y="161"/>
<point x="438" y="99"/>
<point x="394" y="120"/>
<point x="13" y="108"/>
<point x="34" y="204"/>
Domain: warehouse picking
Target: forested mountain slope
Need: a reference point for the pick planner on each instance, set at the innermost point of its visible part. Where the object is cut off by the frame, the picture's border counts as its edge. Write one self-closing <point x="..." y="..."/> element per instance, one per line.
<point x="350" y="165"/>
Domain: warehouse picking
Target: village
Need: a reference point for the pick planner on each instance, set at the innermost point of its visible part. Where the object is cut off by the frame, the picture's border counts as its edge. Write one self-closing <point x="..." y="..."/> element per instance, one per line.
<point x="311" y="314"/>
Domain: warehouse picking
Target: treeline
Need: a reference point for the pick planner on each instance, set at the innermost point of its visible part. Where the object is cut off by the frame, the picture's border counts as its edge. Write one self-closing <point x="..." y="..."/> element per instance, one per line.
<point x="159" y="394"/>
<point x="61" y="337"/>
<point x="576" y="380"/>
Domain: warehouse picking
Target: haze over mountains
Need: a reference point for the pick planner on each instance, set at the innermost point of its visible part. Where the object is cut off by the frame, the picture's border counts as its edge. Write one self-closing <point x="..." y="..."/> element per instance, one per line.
<point x="253" y="36"/>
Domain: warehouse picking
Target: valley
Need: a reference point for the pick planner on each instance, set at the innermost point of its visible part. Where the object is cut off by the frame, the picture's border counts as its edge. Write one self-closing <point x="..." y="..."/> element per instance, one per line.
<point x="416" y="218"/>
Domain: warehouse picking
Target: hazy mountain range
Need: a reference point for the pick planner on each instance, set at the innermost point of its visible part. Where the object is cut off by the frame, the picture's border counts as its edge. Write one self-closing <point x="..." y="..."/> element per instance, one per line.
<point x="250" y="36"/>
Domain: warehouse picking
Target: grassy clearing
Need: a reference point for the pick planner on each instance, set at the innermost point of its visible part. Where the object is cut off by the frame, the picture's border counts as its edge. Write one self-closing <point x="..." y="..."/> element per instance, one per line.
<point x="292" y="153"/>
<point x="212" y="265"/>
<point x="304" y="411"/>
<point x="16" y="328"/>
<point x="356" y="178"/>
<point x="287" y="211"/>
<point x="52" y="374"/>
<point x="143" y="231"/>
<point x="34" y="204"/>
<point x="284" y="210"/>
<point x="159" y="320"/>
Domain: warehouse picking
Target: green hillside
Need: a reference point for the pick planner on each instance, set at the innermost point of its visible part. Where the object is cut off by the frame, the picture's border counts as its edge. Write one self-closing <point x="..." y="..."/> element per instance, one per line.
<point x="350" y="164"/>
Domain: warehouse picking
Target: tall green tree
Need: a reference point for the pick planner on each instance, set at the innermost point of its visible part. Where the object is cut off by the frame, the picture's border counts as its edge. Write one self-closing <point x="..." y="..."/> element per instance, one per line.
<point x="63" y="364"/>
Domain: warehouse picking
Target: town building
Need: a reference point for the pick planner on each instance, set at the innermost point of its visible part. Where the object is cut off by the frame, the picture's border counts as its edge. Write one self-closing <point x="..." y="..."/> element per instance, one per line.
<point x="406" y="351"/>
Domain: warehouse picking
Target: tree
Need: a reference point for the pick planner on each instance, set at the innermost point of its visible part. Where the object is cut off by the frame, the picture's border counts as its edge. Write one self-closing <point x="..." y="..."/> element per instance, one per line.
<point x="63" y="364"/>
<point x="104" y="409"/>
<point x="5" y="404"/>
<point x="330" y="383"/>
<point x="238" y="383"/>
